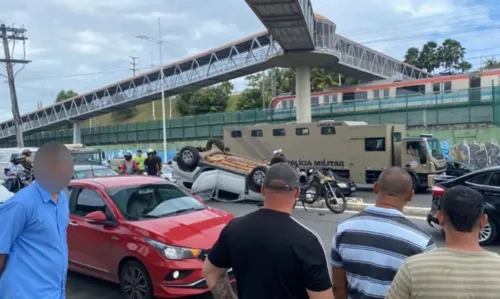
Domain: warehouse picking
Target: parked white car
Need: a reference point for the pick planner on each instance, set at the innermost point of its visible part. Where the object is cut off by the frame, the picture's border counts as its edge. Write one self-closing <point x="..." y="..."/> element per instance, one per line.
<point x="4" y="194"/>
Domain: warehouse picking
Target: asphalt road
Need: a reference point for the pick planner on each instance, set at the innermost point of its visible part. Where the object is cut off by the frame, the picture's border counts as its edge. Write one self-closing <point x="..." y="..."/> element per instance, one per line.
<point x="324" y="223"/>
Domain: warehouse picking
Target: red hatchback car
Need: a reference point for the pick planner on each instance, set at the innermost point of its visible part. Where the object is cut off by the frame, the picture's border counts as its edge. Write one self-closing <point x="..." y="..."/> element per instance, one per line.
<point x="142" y="232"/>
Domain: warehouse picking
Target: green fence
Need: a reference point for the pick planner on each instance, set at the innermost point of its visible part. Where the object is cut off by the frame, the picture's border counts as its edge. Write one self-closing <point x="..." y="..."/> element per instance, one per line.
<point x="459" y="107"/>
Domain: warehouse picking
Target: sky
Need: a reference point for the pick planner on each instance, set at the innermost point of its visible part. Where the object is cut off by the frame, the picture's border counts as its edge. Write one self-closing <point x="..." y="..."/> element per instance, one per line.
<point x="86" y="44"/>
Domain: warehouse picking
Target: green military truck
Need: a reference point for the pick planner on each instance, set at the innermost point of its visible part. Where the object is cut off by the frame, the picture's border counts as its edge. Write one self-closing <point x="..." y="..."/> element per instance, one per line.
<point x="354" y="150"/>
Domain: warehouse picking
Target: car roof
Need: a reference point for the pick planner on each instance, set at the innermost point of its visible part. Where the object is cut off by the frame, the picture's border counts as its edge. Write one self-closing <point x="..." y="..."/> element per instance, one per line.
<point x="121" y="181"/>
<point x="88" y="167"/>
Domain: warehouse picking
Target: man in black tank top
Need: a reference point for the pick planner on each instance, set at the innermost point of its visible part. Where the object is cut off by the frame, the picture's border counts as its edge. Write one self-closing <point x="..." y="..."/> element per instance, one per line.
<point x="272" y="255"/>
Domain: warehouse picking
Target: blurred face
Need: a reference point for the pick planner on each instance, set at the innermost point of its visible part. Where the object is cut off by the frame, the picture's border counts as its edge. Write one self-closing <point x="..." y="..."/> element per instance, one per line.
<point x="53" y="171"/>
<point x="139" y="154"/>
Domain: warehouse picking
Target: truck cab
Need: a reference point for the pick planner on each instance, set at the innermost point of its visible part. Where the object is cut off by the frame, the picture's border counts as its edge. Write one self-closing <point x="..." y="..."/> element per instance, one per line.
<point x="423" y="158"/>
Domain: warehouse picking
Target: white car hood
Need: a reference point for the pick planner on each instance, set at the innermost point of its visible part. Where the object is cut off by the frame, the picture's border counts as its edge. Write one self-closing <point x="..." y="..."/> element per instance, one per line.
<point x="5" y="194"/>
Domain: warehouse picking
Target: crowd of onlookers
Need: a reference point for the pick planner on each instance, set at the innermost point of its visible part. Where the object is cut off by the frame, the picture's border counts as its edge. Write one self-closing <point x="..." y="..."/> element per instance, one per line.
<point x="377" y="253"/>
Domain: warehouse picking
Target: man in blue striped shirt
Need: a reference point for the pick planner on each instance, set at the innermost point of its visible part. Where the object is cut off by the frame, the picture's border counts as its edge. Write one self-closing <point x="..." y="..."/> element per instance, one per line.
<point x="370" y="247"/>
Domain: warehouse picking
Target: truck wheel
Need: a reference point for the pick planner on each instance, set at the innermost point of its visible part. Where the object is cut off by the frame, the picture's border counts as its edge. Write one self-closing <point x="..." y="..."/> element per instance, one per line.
<point x="255" y="178"/>
<point x="414" y="183"/>
<point x="188" y="159"/>
<point x="217" y="142"/>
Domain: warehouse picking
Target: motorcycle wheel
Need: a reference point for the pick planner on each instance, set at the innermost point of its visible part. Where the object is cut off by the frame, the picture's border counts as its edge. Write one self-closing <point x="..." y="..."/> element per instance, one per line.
<point x="336" y="204"/>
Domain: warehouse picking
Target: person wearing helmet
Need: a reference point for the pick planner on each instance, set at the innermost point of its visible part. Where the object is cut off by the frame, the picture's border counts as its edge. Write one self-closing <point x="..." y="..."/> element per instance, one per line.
<point x="152" y="164"/>
<point x="12" y="171"/>
<point x="26" y="159"/>
<point x="129" y="166"/>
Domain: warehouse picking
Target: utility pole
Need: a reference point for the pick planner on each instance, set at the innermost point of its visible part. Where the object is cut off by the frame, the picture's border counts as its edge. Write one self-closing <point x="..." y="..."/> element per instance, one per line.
<point x="263" y="89"/>
<point x="8" y="34"/>
<point x="134" y="64"/>
<point x="273" y="83"/>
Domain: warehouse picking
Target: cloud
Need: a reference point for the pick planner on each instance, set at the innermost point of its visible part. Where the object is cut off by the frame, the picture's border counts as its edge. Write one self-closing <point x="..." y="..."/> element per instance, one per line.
<point x="113" y="46"/>
<point x="152" y="17"/>
<point x="86" y="44"/>
<point x="93" y="6"/>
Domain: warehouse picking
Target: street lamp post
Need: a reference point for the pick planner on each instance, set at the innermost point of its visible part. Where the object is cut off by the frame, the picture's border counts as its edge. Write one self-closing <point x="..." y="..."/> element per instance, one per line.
<point x="159" y="41"/>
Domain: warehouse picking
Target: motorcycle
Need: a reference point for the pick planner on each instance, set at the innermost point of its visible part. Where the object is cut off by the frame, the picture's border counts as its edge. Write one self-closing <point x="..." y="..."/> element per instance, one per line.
<point x="18" y="182"/>
<point x="318" y="186"/>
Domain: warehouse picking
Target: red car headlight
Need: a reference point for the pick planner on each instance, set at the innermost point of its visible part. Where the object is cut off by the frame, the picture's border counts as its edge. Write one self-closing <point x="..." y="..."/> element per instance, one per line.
<point x="173" y="252"/>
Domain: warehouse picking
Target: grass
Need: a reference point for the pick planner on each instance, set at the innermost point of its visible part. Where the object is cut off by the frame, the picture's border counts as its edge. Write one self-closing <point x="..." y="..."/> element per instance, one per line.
<point x="145" y="113"/>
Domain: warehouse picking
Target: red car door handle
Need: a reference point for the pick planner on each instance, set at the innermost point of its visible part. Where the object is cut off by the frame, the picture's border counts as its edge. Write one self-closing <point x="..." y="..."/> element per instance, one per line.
<point x="73" y="223"/>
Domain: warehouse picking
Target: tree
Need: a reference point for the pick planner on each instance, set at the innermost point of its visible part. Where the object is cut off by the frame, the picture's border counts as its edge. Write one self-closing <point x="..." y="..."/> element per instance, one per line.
<point x="412" y="56"/>
<point x="449" y="57"/>
<point x="323" y="79"/>
<point x="451" y="54"/>
<point x="491" y="63"/>
<point x="210" y="99"/>
<point x="65" y="94"/>
<point x="250" y="98"/>
<point x="428" y="58"/>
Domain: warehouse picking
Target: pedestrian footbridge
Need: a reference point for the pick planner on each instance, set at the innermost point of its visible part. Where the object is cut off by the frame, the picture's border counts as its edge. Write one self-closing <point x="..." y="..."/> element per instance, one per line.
<point x="295" y="38"/>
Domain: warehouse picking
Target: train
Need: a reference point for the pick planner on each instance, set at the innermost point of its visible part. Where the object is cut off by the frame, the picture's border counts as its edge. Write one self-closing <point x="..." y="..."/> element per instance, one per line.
<point x="440" y="89"/>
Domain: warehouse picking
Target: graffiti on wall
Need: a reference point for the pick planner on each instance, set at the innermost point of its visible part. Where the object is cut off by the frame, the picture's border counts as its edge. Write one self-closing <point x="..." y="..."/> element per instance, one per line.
<point x="478" y="154"/>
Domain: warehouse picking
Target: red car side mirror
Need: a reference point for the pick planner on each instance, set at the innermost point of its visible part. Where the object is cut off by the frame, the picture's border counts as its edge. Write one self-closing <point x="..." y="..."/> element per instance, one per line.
<point x="96" y="217"/>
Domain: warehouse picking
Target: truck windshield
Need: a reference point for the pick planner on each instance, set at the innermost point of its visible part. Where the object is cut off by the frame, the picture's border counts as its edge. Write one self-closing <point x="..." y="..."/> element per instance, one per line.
<point x="434" y="147"/>
<point x="86" y="157"/>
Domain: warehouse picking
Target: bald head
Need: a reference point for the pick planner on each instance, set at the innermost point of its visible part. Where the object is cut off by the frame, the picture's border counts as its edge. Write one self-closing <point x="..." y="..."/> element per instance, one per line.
<point x="394" y="182"/>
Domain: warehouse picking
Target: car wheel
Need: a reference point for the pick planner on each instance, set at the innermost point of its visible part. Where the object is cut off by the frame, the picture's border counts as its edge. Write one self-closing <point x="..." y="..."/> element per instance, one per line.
<point x="255" y="178"/>
<point x="488" y="234"/>
<point x="188" y="159"/>
<point x="135" y="282"/>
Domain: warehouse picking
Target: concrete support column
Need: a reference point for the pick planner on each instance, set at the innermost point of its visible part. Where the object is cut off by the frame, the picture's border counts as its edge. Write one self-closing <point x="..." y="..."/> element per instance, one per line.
<point x="77" y="132"/>
<point x="303" y="94"/>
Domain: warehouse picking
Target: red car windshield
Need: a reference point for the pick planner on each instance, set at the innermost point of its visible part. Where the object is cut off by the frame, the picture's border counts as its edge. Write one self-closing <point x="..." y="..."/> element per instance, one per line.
<point x="143" y="202"/>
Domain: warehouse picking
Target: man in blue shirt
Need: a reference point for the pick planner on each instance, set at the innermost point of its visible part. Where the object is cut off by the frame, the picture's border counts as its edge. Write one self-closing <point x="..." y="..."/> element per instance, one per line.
<point x="33" y="245"/>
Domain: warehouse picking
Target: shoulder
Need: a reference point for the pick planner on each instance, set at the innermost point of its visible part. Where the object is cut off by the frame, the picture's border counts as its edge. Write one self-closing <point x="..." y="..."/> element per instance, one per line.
<point x="24" y="200"/>
<point x="305" y="234"/>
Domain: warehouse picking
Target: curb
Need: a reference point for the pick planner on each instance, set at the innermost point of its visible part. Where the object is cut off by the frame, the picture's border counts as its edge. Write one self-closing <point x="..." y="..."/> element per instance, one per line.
<point x="357" y="204"/>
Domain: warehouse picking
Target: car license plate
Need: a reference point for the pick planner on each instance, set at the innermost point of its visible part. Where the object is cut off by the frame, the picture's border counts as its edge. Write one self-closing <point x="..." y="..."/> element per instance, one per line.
<point x="353" y="188"/>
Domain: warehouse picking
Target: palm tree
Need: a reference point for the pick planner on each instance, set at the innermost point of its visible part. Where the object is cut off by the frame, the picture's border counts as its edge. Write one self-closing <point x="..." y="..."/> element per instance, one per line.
<point x="411" y="56"/>
<point x="323" y="79"/>
<point x="451" y="54"/>
<point x="428" y="58"/>
<point x="491" y="64"/>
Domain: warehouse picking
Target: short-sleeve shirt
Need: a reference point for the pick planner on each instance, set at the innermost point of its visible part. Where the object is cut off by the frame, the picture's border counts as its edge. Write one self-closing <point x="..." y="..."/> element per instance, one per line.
<point x="153" y="165"/>
<point x="448" y="273"/>
<point x="33" y="237"/>
<point x="140" y="161"/>
<point x="272" y="255"/>
<point x="372" y="245"/>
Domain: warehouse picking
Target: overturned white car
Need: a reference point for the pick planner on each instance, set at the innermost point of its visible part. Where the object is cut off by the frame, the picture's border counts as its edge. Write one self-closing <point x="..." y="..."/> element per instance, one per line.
<point x="217" y="174"/>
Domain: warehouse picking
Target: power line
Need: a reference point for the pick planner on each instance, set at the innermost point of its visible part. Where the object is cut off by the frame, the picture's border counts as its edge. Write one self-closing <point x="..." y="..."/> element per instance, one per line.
<point x="471" y="14"/>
